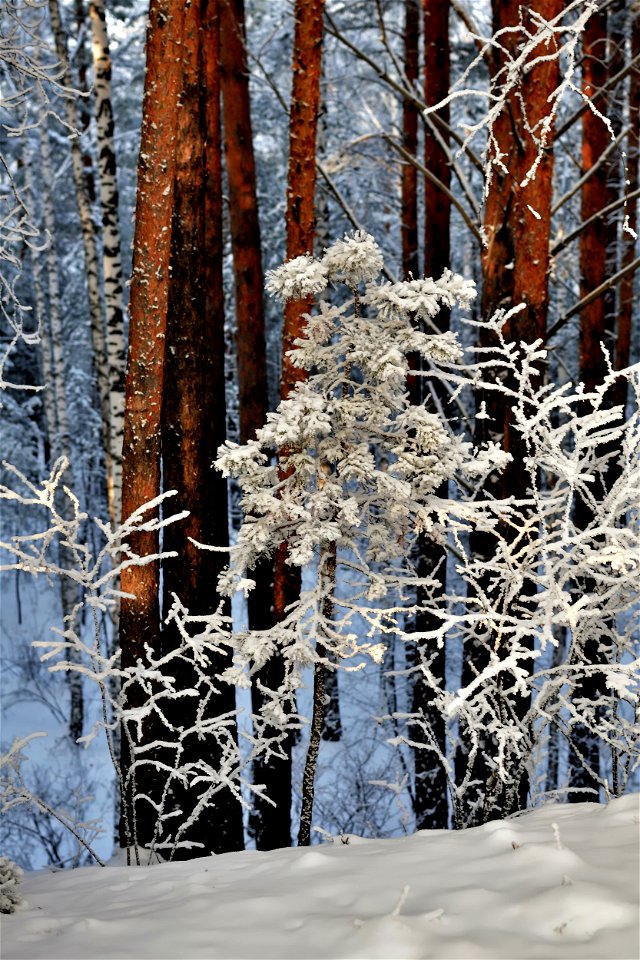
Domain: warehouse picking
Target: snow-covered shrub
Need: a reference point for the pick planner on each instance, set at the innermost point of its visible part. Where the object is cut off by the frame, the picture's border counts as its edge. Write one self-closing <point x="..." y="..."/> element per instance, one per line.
<point x="10" y="876"/>
<point x="60" y="525"/>
<point x="358" y="475"/>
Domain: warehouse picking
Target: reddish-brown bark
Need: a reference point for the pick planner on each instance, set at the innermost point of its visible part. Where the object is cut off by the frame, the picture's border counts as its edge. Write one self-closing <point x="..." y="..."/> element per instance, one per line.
<point x="193" y="415"/>
<point x="269" y="825"/>
<point x="139" y="618"/>
<point x="515" y="265"/>
<point x="593" y="241"/>
<point x="516" y="260"/>
<point x="409" y="186"/>
<point x="148" y="313"/>
<point x="437" y="207"/>
<point x="303" y="129"/>
<point x="300" y="225"/>
<point x="243" y="215"/>
<point x="625" y="312"/>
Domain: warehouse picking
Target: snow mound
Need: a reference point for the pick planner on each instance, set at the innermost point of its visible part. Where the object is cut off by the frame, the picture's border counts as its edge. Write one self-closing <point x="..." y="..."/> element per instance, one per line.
<point x="558" y="882"/>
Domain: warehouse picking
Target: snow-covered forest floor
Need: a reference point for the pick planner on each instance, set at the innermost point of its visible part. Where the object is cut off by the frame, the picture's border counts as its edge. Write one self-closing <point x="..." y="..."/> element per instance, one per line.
<point x="558" y="882"/>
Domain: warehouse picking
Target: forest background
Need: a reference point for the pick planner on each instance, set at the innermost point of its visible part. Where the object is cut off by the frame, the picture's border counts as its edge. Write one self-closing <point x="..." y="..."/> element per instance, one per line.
<point x="497" y="141"/>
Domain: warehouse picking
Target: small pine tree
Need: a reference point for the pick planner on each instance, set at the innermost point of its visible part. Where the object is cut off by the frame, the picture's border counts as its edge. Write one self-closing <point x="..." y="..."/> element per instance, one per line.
<point x="355" y="475"/>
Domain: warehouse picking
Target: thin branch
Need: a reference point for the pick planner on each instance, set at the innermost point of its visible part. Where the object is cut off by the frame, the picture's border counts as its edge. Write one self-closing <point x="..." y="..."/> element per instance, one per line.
<point x="560" y="245"/>
<point x="611" y="82"/>
<point x="589" y="173"/>
<point x="437" y="182"/>
<point x="590" y="297"/>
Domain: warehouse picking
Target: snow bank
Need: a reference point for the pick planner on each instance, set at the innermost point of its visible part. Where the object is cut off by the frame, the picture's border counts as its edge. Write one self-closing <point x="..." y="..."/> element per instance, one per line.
<point x="558" y="882"/>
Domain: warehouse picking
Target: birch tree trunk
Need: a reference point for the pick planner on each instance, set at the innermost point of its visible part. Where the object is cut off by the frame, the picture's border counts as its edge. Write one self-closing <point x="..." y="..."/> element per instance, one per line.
<point x="111" y="258"/>
<point x="91" y="262"/>
<point x="140" y="616"/>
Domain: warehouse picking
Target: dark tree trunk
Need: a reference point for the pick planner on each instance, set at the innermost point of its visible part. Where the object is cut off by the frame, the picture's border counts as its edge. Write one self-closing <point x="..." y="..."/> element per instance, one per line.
<point x="625" y="309"/>
<point x="430" y="790"/>
<point x="270" y="825"/>
<point x="515" y="268"/>
<point x="409" y="208"/>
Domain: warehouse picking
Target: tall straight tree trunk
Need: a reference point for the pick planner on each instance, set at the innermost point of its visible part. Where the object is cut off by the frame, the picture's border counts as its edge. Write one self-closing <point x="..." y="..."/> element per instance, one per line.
<point x="409" y="185"/>
<point x="625" y="310"/>
<point x="111" y="258"/>
<point x="430" y="789"/>
<point x="515" y="267"/>
<point x="594" y="197"/>
<point x="301" y="182"/>
<point x="584" y="769"/>
<point x="61" y="440"/>
<point x="90" y="249"/>
<point x="81" y="64"/>
<point x="270" y="825"/>
<point x="140" y="616"/>
<point x="193" y="414"/>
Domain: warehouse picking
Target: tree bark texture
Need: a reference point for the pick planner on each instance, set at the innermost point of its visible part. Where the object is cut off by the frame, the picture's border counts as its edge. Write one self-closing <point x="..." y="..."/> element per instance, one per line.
<point x="91" y="261"/>
<point x="515" y="266"/>
<point x="430" y="787"/>
<point x="111" y="257"/>
<point x="245" y="225"/>
<point x="594" y="197"/>
<point x="300" y="225"/>
<point x="269" y="825"/>
<point x="437" y="206"/>
<point x="140" y="614"/>
<point x="193" y="416"/>
<point x="409" y="184"/>
<point x="625" y="310"/>
<point x="303" y="129"/>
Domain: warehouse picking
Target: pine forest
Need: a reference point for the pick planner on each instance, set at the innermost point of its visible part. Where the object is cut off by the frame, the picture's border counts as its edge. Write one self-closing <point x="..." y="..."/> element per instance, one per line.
<point x="319" y="441"/>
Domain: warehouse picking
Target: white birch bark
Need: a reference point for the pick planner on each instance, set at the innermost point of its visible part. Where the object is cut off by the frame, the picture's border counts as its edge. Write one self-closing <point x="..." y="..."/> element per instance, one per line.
<point x="92" y="265"/>
<point x="111" y="258"/>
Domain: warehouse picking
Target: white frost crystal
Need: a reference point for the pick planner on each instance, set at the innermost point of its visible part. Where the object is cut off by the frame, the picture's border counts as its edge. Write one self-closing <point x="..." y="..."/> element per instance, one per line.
<point x="355" y="259"/>
<point x="297" y="279"/>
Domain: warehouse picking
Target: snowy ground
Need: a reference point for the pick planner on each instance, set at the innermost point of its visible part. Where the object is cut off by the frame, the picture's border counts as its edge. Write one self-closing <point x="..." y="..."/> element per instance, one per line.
<point x="558" y="882"/>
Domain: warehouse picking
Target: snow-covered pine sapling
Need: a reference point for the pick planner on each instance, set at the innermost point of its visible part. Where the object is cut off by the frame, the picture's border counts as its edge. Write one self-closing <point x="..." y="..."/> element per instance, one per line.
<point x="355" y="470"/>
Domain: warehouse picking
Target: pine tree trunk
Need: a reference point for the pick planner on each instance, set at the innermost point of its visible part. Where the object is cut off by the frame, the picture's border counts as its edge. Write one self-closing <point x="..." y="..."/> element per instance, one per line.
<point x="140" y="617"/>
<point x="327" y="573"/>
<point x="430" y="788"/>
<point x="584" y="770"/>
<point x="303" y="130"/>
<point x="409" y="185"/>
<point x="91" y="262"/>
<point x="193" y="414"/>
<point x="515" y="267"/>
<point x="625" y="310"/>
<point x="111" y="258"/>
<point x="269" y="825"/>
